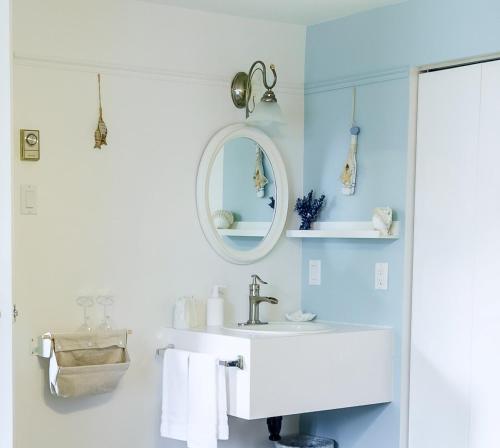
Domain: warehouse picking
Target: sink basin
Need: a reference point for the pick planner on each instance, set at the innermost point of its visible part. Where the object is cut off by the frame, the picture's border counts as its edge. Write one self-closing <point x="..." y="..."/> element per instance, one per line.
<point x="283" y="328"/>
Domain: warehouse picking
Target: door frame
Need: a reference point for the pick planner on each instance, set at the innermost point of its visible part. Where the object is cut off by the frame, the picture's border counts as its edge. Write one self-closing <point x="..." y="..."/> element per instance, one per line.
<point x="408" y="259"/>
<point x="6" y="389"/>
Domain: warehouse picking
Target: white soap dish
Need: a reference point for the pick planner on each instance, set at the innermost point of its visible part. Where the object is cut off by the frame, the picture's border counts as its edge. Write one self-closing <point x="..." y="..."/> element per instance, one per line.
<point x="300" y="316"/>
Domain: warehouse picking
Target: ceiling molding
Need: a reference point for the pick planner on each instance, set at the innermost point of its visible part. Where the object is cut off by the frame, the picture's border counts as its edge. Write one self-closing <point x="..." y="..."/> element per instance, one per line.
<point x="356" y="80"/>
<point x="156" y="73"/>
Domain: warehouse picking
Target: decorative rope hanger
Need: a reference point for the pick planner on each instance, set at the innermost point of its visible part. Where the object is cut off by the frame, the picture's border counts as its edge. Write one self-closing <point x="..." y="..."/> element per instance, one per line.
<point x="348" y="175"/>
<point x="101" y="131"/>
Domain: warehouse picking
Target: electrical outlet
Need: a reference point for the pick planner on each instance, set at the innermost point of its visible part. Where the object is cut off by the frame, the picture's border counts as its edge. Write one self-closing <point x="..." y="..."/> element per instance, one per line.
<point x="314" y="272"/>
<point x="381" y="275"/>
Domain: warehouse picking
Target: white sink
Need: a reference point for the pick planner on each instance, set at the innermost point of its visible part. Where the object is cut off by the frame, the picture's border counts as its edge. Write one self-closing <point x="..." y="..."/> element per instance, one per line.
<point x="294" y="367"/>
<point x="283" y="328"/>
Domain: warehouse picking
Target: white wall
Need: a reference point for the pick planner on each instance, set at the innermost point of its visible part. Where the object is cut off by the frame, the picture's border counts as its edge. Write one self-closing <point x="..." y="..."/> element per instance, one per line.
<point x="5" y="228"/>
<point x="124" y="218"/>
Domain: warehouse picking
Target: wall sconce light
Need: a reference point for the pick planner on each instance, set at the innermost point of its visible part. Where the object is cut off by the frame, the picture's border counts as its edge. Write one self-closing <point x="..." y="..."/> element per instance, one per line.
<point x="267" y="110"/>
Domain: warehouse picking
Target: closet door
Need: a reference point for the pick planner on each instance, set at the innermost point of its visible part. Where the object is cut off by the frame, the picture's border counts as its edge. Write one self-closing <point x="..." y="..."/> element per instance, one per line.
<point x="485" y="378"/>
<point x="446" y="222"/>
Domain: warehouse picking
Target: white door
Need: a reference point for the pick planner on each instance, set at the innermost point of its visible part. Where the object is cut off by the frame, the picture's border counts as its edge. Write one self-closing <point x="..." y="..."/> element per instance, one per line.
<point x="5" y="230"/>
<point x="456" y="299"/>
<point x="485" y="373"/>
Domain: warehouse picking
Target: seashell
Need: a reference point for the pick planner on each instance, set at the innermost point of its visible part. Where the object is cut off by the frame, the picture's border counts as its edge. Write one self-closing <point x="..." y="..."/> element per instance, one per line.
<point x="382" y="220"/>
<point x="223" y="219"/>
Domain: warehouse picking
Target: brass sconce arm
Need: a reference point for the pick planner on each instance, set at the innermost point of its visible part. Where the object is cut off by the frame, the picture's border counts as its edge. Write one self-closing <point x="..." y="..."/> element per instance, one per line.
<point x="241" y="87"/>
<point x="264" y="73"/>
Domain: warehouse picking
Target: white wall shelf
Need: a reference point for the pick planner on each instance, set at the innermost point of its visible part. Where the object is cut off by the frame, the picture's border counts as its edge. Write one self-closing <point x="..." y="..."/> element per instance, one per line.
<point x="246" y="229"/>
<point x="344" y="229"/>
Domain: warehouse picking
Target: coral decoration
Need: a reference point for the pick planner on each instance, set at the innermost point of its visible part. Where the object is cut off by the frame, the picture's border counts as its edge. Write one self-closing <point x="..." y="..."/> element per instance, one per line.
<point x="308" y="209"/>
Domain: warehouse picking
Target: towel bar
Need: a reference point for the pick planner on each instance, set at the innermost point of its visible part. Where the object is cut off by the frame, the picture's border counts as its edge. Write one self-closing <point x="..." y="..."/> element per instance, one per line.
<point x="236" y="363"/>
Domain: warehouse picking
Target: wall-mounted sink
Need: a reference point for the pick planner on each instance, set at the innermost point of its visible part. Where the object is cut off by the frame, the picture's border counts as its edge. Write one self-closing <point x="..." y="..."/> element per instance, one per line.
<point x="283" y="328"/>
<point x="291" y="368"/>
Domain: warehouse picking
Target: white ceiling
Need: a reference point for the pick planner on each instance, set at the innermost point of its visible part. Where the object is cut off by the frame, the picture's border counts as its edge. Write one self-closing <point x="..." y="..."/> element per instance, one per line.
<point x="301" y="12"/>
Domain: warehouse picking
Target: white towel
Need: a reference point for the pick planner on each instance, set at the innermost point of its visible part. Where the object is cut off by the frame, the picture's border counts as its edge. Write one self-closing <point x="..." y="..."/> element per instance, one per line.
<point x="194" y="402"/>
<point x="222" y="423"/>
<point x="174" y="418"/>
<point x="207" y="420"/>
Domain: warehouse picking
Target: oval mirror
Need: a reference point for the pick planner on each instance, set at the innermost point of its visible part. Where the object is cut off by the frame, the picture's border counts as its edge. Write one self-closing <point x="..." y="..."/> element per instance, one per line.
<point x="242" y="193"/>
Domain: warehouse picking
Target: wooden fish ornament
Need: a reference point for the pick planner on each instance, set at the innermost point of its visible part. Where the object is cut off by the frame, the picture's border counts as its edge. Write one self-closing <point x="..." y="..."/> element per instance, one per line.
<point x="348" y="175"/>
<point x="101" y="131"/>
<point x="260" y="180"/>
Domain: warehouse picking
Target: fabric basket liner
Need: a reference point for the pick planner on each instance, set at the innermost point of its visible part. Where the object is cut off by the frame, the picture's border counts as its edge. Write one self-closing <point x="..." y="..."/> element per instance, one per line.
<point x="87" y="364"/>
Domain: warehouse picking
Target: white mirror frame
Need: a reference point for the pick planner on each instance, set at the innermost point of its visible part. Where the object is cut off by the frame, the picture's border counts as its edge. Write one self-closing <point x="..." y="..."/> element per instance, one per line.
<point x="202" y="193"/>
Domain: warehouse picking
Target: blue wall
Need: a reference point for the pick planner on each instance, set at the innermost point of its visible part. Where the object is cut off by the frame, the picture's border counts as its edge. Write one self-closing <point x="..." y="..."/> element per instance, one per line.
<point x="373" y="50"/>
<point x="240" y="196"/>
<point x="412" y="33"/>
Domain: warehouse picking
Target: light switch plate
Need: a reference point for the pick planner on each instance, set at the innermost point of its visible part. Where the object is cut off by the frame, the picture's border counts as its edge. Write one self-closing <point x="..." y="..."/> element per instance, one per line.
<point x="314" y="272"/>
<point x="29" y="201"/>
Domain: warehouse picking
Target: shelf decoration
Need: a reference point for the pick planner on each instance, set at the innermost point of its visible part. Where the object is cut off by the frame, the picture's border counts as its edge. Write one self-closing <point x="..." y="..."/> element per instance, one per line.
<point x="308" y="209"/>
<point x="348" y="175"/>
<point x="223" y="219"/>
<point x="382" y="220"/>
<point x="101" y="131"/>
<point x="272" y="202"/>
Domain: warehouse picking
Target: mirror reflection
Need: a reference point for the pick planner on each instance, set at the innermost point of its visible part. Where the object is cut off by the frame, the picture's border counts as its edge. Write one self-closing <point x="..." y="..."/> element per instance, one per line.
<point x="242" y="193"/>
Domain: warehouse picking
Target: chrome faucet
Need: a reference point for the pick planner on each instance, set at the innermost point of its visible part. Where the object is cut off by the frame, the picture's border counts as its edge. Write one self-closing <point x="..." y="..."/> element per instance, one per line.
<point x="255" y="299"/>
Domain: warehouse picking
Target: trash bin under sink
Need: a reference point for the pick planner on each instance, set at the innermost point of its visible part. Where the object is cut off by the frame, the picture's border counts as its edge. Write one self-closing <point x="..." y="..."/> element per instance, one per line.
<point x="304" y="441"/>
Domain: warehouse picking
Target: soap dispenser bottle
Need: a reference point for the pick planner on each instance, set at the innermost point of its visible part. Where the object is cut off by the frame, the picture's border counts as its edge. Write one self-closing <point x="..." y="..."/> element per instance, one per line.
<point x="215" y="308"/>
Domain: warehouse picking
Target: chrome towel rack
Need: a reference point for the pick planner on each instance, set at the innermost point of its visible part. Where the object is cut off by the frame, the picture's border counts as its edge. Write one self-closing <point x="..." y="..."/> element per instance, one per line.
<point x="234" y="363"/>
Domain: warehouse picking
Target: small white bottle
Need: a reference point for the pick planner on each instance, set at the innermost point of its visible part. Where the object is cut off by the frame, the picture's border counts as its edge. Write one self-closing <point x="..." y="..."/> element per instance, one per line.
<point x="215" y="308"/>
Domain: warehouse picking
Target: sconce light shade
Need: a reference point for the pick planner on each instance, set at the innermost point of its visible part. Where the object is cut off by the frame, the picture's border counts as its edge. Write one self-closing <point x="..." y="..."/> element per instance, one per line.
<point x="267" y="113"/>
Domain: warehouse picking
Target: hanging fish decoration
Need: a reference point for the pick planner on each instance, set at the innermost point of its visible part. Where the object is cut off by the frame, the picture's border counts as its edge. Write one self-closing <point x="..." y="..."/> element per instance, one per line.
<point x="101" y="131"/>
<point x="260" y="180"/>
<point x="348" y="175"/>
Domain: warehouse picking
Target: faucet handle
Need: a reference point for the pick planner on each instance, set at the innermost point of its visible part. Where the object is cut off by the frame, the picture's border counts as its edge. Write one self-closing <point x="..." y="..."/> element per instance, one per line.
<point x="255" y="277"/>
